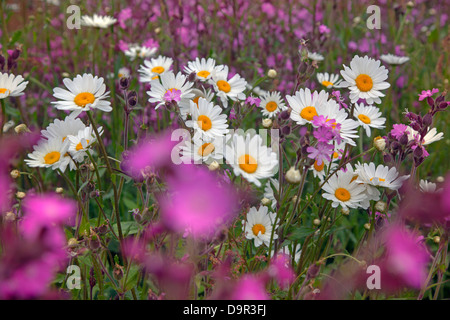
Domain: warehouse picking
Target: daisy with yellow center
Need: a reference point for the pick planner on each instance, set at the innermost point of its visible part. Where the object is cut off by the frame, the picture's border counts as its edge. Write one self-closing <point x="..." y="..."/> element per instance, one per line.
<point x="11" y="85"/>
<point x="225" y="88"/>
<point x="320" y="171"/>
<point x="272" y="104"/>
<point x="365" y="78"/>
<point x="342" y="190"/>
<point x="381" y="176"/>
<point x="82" y="141"/>
<point x="136" y="51"/>
<point x="250" y="158"/>
<point x="369" y="117"/>
<point x="185" y="104"/>
<point x="207" y="120"/>
<point x="306" y="105"/>
<point x="329" y="80"/>
<point x="202" y="68"/>
<point x="49" y="154"/>
<point x="205" y="150"/>
<point x="259" y="225"/>
<point x="84" y="93"/>
<point x="154" y="68"/>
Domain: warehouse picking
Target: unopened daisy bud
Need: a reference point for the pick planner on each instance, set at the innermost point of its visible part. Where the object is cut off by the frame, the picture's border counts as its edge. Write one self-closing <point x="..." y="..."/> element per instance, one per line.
<point x="410" y="4"/>
<point x="59" y="190"/>
<point x="15" y="174"/>
<point x="356" y="20"/>
<point x="20" y="195"/>
<point x="65" y="75"/>
<point x="293" y="175"/>
<point x="440" y="179"/>
<point x="21" y="128"/>
<point x="265" y="202"/>
<point x="436" y="239"/>
<point x="157" y="30"/>
<point x="272" y="73"/>
<point x="214" y="166"/>
<point x="294" y="199"/>
<point x="345" y="211"/>
<point x="72" y="242"/>
<point x="91" y="167"/>
<point x="380" y="206"/>
<point x="10" y="216"/>
<point x="267" y="123"/>
<point x="379" y="143"/>
<point x="367" y="226"/>
<point x="316" y="222"/>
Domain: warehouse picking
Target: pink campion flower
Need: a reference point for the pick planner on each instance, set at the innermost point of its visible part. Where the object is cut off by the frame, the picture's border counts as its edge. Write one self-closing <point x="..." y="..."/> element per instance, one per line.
<point x="427" y="93"/>
<point x="323" y="134"/>
<point x="123" y="16"/>
<point x="281" y="269"/>
<point x="268" y="9"/>
<point x="321" y="152"/>
<point x="250" y="287"/>
<point x="324" y="29"/>
<point x="123" y="46"/>
<point x="196" y="201"/>
<point x="253" y="101"/>
<point x="398" y="130"/>
<point x="151" y="43"/>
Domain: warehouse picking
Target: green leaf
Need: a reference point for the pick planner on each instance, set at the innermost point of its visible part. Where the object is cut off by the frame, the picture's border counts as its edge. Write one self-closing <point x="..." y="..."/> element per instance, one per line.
<point x="301" y="233"/>
<point x="128" y="228"/>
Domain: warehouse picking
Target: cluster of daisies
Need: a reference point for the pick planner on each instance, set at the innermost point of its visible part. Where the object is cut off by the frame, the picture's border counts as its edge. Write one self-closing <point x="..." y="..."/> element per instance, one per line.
<point x="66" y="143"/>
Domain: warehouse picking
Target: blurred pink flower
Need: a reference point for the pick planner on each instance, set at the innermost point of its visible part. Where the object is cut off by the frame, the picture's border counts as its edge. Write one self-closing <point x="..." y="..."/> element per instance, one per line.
<point x="427" y="93"/>
<point x="250" y="287"/>
<point x="281" y="269"/>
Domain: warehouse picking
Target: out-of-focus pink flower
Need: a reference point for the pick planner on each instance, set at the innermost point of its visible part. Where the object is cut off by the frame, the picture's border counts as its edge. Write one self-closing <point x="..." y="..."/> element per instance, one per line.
<point x="427" y="93"/>
<point x="253" y="101"/>
<point x="250" y="287"/>
<point x="196" y="201"/>
<point x="281" y="270"/>
<point x="123" y="46"/>
<point x="123" y="16"/>
<point x="324" y="29"/>
<point x="268" y="9"/>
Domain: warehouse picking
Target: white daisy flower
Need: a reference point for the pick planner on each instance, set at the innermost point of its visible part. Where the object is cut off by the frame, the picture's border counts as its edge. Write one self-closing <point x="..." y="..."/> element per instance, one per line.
<point x="427" y="186"/>
<point x="322" y="170"/>
<point x="202" y="68"/>
<point x="257" y="90"/>
<point x="381" y="176"/>
<point x="250" y="158"/>
<point x="342" y="190"/>
<point x="315" y="56"/>
<point x="98" y="21"/>
<point x="123" y="72"/>
<point x="170" y="88"/>
<point x="430" y="137"/>
<point x="269" y="193"/>
<point x="228" y="88"/>
<point x="136" y="51"/>
<point x="272" y="104"/>
<point x="154" y="68"/>
<point x="369" y="117"/>
<point x="393" y="59"/>
<point x="329" y="80"/>
<point x="61" y="129"/>
<point x="49" y="154"/>
<point x="205" y="150"/>
<point x="185" y="104"/>
<point x="306" y="105"/>
<point x="371" y="192"/>
<point x="259" y="225"/>
<point x="85" y="93"/>
<point x="365" y="78"/>
<point x="82" y="141"/>
<point x="207" y="120"/>
<point x="11" y="85"/>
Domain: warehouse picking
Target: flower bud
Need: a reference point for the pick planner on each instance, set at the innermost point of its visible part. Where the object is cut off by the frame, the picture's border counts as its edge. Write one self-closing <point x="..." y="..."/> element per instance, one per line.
<point x="20" y="195"/>
<point x="214" y="166"/>
<point x="132" y="99"/>
<point x="427" y="119"/>
<point x="440" y="179"/>
<point x="403" y="140"/>
<point x="345" y="211"/>
<point x="10" y="216"/>
<point x="72" y="242"/>
<point x="436" y="239"/>
<point x="15" y="174"/>
<point x="367" y="226"/>
<point x="316" y="222"/>
<point x="265" y="202"/>
<point x="293" y="175"/>
<point x="387" y="158"/>
<point x="91" y="167"/>
<point x="59" y="190"/>
<point x="286" y="130"/>
<point x="267" y="123"/>
<point x="272" y="73"/>
<point x="284" y="115"/>
<point x="379" y="143"/>
<point x="21" y="128"/>
<point x="124" y="83"/>
<point x="380" y="206"/>
<point x="313" y="271"/>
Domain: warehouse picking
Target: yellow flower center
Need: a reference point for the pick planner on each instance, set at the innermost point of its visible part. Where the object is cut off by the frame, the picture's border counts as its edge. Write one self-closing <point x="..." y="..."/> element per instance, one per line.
<point x="342" y="194"/>
<point x="308" y="113"/>
<point x="335" y="155"/>
<point x="196" y="100"/>
<point x="223" y="86"/>
<point x="379" y="179"/>
<point x="203" y="74"/>
<point x="248" y="163"/>
<point x="364" y="82"/>
<point x="206" y="149"/>
<point x="52" y="157"/>
<point x="4" y="90"/>
<point x="327" y="83"/>
<point x="271" y="106"/>
<point x="364" y="119"/>
<point x="80" y="146"/>
<point x="158" y="69"/>
<point x="257" y="228"/>
<point x="204" y="123"/>
<point x="317" y="167"/>
<point x="84" y="98"/>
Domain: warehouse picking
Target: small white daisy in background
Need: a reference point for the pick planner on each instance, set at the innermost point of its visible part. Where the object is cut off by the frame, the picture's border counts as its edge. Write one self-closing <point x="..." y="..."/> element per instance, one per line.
<point x="272" y="104"/>
<point x="228" y="88"/>
<point x="170" y="88"/>
<point x="371" y="192"/>
<point x="320" y="171"/>
<point x="85" y="93"/>
<point x="82" y="141"/>
<point x="11" y="85"/>
<point x="369" y="117"/>
<point x="259" y="225"/>
<point x="430" y="137"/>
<point x="257" y="90"/>
<point x="342" y="190"/>
<point x="250" y="158"/>
<point x="381" y="176"/>
<point x="207" y="120"/>
<point x="123" y="72"/>
<point x="49" y="154"/>
<point x="154" y="67"/>
<point x="365" y="78"/>
<point x="62" y="129"/>
<point x="306" y="105"/>
<point x="393" y="59"/>
<point x="315" y="56"/>
<point x="329" y="80"/>
<point x="136" y="51"/>
<point x="185" y="104"/>
<point x="98" y="21"/>
<point x="202" y="68"/>
<point x="205" y="150"/>
<point x="269" y="193"/>
<point x="426" y="186"/>
<point x="287" y="251"/>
